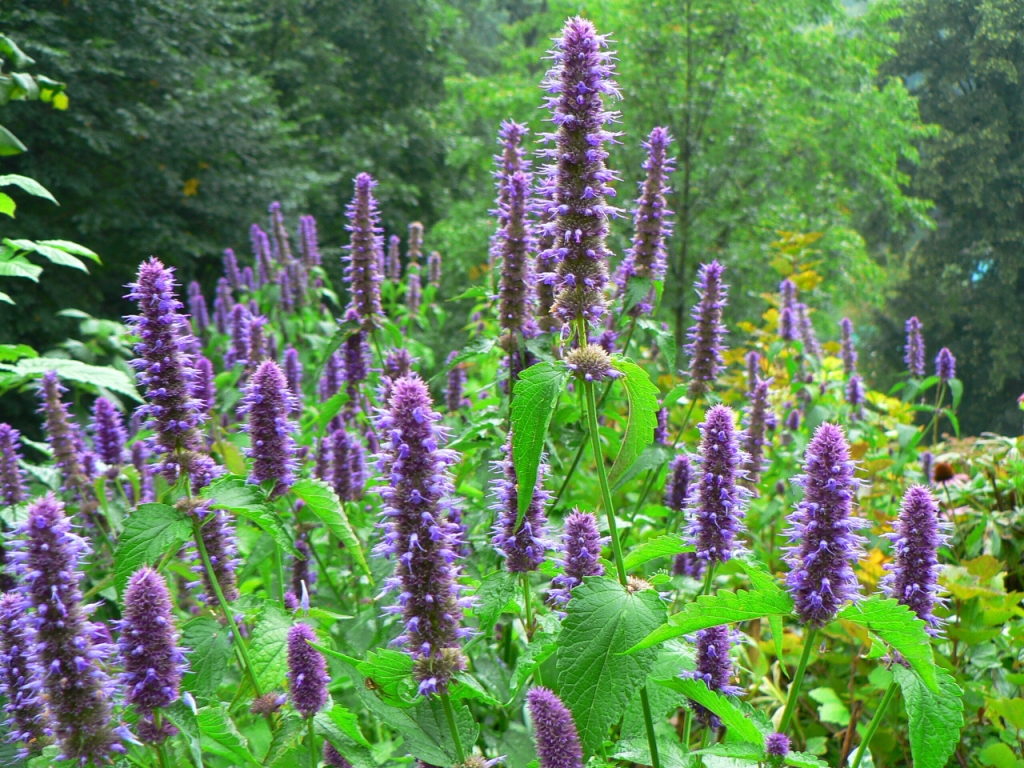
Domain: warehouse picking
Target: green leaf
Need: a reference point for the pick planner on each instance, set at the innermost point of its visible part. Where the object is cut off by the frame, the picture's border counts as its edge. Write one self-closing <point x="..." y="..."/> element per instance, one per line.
<point x="268" y="649"/>
<point x="732" y="717"/>
<point x="235" y="495"/>
<point x="391" y="673"/>
<point x="493" y="594"/>
<point x="328" y="410"/>
<point x="998" y="755"/>
<point x="209" y="649"/>
<point x="642" y="420"/>
<point x="10" y="144"/>
<point x="152" y="531"/>
<point x="288" y="734"/>
<point x="182" y="717"/>
<point x="900" y="628"/>
<point x="662" y="546"/>
<point x="220" y="736"/>
<point x="736" y="751"/>
<point x="424" y="727"/>
<point x="346" y="722"/>
<point x="11" y="352"/>
<point x="596" y="680"/>
<point x="652" y="457"/>
<point x="539" y="650"/>
<point x="323" y="502"/>
<point x="831" y="709"/>
<point x="7" y="205"/>
<point x="19" y="266"/>
<point x="637" y="289"/>
<point x="804" y="760"/>
<point x="935" y="719"/>
<point x="722" y="608"/>
<point x="535" y="395"/>
<point x="6" y="298"/>
<point x="31" y="186"/>
<point x="75" y="248"/>
<point x="345" y="330"/>
<point x="81" y="373"/>
<point x="956" y="387"/>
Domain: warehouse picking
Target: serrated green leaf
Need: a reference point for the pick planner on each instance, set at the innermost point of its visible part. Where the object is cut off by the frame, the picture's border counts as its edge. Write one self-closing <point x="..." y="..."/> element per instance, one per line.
<point x="208" y="644"/>
<point x="152" y="531"/>
<point x="662" y="546"/>
<point x="535" y="395"/>
<point x="391" y="673"/>
<point x="268" y="649"/>
<point x="235" y="495"/>
<point x="732" y="717"/>
<point x="596" y="680"/>
<point x="323" y="502"/>
<point x="935" y="718"/>
<point x="220" y="736"/>
<point x="653" y="457"/>
<point x="287" y="735"/>
<point x="79" y="372"/>
<point x="424" y="727"/>
<point x="804" y="760"/>
<point x="712" y="610"/>
<point x="637" y="289"/>
<point x="742" y="751"/>
<point x="643" y="415"/>
<point x="493" y="594"/>
<point x="328" y="410"/>
<point x="26" y="184"/>
<point x="900" y="628"/>
<point x="182" y="717"/>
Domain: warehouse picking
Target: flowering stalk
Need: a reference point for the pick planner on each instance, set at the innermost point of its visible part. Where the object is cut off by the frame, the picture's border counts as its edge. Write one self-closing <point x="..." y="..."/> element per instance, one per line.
<point x="231" y="273"/>
<point x="454" y="398"/>
<point x="434" y="269"/>
<point x="394" y="261"/>
<point x="267" y="403"/>
<point x="848" y="352"/>
<point x="787" y="311"/>
<point x="558" y="742"/>
<point x="307" y="672"/>
<point x="914" y="348"/>
<point x="364" y="254"/>
<point x="415" y="251"/>
<point x="309" y="244"/>
<point x="913" y="577"/>
<point x="705" y="335"/>
<point x="12" y="476"/>
<point x="19" y="677"/>
<point x="714" y="668"/>
<point x="806" y="330"/>
<point x="197" y="308"/>
<point x="63" y="435"/>
<point x="413" y="292"/>
<point x="241" y="335"/>
<point x="261" y="250"/>
<point x="523" y="547"/>
<point x="720" y="501"/>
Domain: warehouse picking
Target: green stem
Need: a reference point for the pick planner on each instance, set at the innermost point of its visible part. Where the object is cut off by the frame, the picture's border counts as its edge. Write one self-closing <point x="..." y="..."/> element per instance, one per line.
<point x="449" y="714"/>
<point x="703" y="745"/>
<point x="652" y="739"/>
<point x="312" y="744"/>
<point x="940" y="391"/>
<point x="161" y="752"/>
<point x="875" y="722"/>
<point x="687" y="727"/>
<point x="652" y="474"/>
<point x="798" y="678"/>
<point x="527" y="607"/>
<point x="706" y="588"/>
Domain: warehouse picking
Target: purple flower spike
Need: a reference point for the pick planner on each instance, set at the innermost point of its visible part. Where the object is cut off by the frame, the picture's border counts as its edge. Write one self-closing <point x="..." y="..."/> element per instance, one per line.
<point x="108" y="433"/>
<point x="302" y="567"/>
<point x="422" y="534"/>
<point x="805" y="329"/>
<point x="914" y="573"/>
<point x="661" y="430"/>
<point x="793" y="420"/>
<point x="415" y="252"/>
<point x="197" y="308"/>
<point x="434" y="269"/>
<point x="281" y="244"/>
<point x="307" y="672"/>
<point x="757" y="418"/>
<point x="787" y="312"/>
<point x="776" y="744"/>
<point x="522" y="547"/>
<point x="63" y="434"/>
<point x="913" y="351"/>
<point x="293" y="375"/>
<point x="714" y="667"/>
<point x="221" y="316"/>
<point x="309" y="243"/>
<point x="855" y="396"/>
<point x="334" y="758"/>
<point x="148" y="645"/>
<point x="341" y="449"/>
<point x="647" y="258"/>
<point x="70" y="651"/>
<point x="824" y="544"/>
<point x="355" y="363"/>
<point x="205" y="388"/>
<point x="719" y="502"/>
<point x="927" y="461"/>
<point x="267" y="402"/>
<point x="19" y="676"/>
<point x="12" y="476"/>
<point x="847" y="351"/>
<point x="394" y="263"/>
<point x="753" y="360"/>
<point x="580" y="556"/>
<point x="453" y="397"/>
<point x="248" y="279"/>
<point x="219" y="540"/>
<point x="705" y="335"/>
<point x="558" y="741"/>
<point x="231" y="272"/>
<point x="364" y="254"/>
<point x="945" y="365"/>
<point x="285" y="296"/>
<point x="261" y="250"/>
<point x="224" y="294"/>
<point x="677" y="488"/>
<point x="414" y="292"/>
<point x="140" y="456"/>
<point x="330" y="380"/>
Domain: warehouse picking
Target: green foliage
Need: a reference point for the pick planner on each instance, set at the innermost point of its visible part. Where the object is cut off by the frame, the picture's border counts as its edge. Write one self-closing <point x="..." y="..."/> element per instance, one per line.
<point x="732" y="717"/>
<point x="152" y="531"/>
<point x="534" y="398"/>
<point x="323" y="502"/>
<point x="642" y="419"/>
<point x="936" y="717"/>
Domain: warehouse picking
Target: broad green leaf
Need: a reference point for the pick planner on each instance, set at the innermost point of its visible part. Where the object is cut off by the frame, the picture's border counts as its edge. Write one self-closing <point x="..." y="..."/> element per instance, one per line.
<point x="235" y="495"/>
<point x="652" y="457"/>
<point x="79" y="372"/>
<point x="7" y="205"/>
<point x="493" y="594"/>
<point x="596" y="680"/>
<point x="643" y="415"/>
<point x="804" y="760"/>
<point x="831" y="709"/>
<point x="208" y="644"/>
<point x="391" y="673"/>
<point x="152" y="531"/>
<point x="10" y="144"/>
<point x="713" y="610"/>
<point x="662" y="546"/>
<point x="182" y="717"/>
<point x="999" y="755"/>
<point x="900" y="628"/>
<point x="539" y="650"/>
<point x="732" y="717"/>
<point x="31" y="186"/>
<point x="956" y="387"/>
<point x="19" y="266"/>
<point x="744" y="751"/>
<point x="268" y="649"/>
<point x="220" y="736"/>
<point x="287" y="735"/>
<point x="535" y="395"/>
<point x="465" y="687"/>
<point x="935" y="719"/>
<point x="11" y="352"/>
<point x="637" y="289"/>
<point x="328" y="410"/>
<point x="75" y="248"/>
<point x="323" y="502"/>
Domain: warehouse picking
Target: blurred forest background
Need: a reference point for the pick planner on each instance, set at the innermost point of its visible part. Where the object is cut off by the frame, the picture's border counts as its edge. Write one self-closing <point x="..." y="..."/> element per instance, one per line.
<point x="881" y="143"/>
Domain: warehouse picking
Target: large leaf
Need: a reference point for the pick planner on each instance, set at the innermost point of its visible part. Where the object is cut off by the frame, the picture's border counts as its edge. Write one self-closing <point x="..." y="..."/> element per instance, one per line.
<point x="182" y="717"/>
<point x="898" y="626"/>
<point x="19" y="266"/>
<point x="643" y="415"/>
<point x="596" y="680"/>
<point x="713" y="610"/>
<point x="75" y="248"/>
<point x="238" y="496"/>
<point x="653" y="457"/>
<point x="323" y="502"/>
<point x="662" y="546"/>
<point x="208" y="646"/>
<point x="935" y="719"/>
<point x="268" y="649"/>
<point x="536" y="393"/>
<point x="31" y="186"/>
<point x="220" y="736"/>
<point x="74" y="370"/>
<point x="152" y="531"/>
<point x="56" y="255"/>
<point x="493" y="594"/>
<point x="732" y="717"/>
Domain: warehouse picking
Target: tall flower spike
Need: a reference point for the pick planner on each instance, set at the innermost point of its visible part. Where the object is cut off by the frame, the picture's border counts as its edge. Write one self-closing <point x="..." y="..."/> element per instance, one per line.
<point x="205" y="387"/>
<point x="714" y="668"/>
<point x="140" y="460"/>
<point x="757" y="417"/>
<point x="62" y="434"/>
<point x="719" y="501"/>
<point x="197" y="308"/>
<point x="19" y="677"/>
<point x="330" y="379"/>
<point x="647" y="258"/>
<point x="753" y="360"/>
<point x="453" y="397"/>
<point x="359" y="471"/>
<point x="927" y="460"/>
<point x="945" y="365"/>
<point x="248" y="279"/>
<point x="364" y="254"/>
<point x="415" y="252"/>
<point x="334" y="758"/>
<point x="913" y="577"/>
<point x="522" y="547"/>
<point x="414" y="292"/>
<point x="677" y="496"/>
<point x="267" y="403"/>
<point x="307" y="672"/>
<point x="822" y="530"/>
<point x="434" y="268"/>
<point x="661" y="430"/>
<point x="705" y="335"/>
<point x="355" y="363"/>
<point x="284" y="294"/>
<point x="579" y="81"/>
<point x="309" y="242"/>
<point x="787" y="311"/>
<point x="108" y="433"/>
<point x="12" y="476"/>
<point x="806" y="330"/>
<point x="855" y="396"/>
<point x="148" y="645"/>
<point x="580" y="555"/>
<point x="846" y="348"/>
<point x="397" y="363"/>
<point x="221" y="316"/>
<point x="225" y="294"/>
<point x="394" y="263"/>
<point x="261" y="250"/>
<point x="69" y="648"/>
<point x="234" y="277"/>
<point x="257" y="340"/>
<point x="341" y="454"/>
<point x="555" y="734"/>
<point x="219" y="540"/>
<point x="293" y="375"/>
<point x="302" y="567"/>
<point x="546" y="262"/>
<point x="913" y="350"/>
<point x="421" y="535"/>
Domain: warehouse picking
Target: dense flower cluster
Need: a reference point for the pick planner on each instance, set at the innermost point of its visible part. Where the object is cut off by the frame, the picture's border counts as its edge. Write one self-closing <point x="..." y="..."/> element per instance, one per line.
<point x="705" y="345"/>
<point x="913" y="350"/>
<point x="719" y="501"/>
<point x="945" y="365"/>
<point x="914" y="573"/>
<point x="523" y="546"/>
<point x="19" y="677"/>
<point x="267" y="403"/>
<point x="579" y="556"/>
<point x="307" y="672"/>
<point x="714" y="668"/>
<point x="365" y="253"/>
<point x="12" y="476"/>
<point x="558" y="742"/>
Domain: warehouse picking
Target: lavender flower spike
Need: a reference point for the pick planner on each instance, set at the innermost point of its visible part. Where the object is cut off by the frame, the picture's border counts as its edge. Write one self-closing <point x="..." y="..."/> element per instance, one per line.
<point x="454" y="398"/>
<point x="267" y="402"/>
<point x="148" y="645"/>
<point x="394" y="263"/>
<point x="62" y="433"/>
<point x="197" y="307"/>
<point x="647" y="258"/>
<point x="307" y="672"/>
<point x="914" y="573"/>
<point x="558" y="741"/>
<point x="753" y="360"/>
<point x="334" y="758"/>
<point x="205" y="386"/>
<point x="806" y="330"/>
<point x="847" y="351"/>
<point x="108" y="433"/>
<point x="714" y="667"/>
<point x="824" y="544"/>
<point x="787" y="312"/>
<point x="341" y="453"/>
<point x="719" y="502"/>
<point x="914" y="349"/>
<point x="68" y="649"/>
<point x="19" y="677"/>
<point x="309" y="244"/>
<point x="364" y="254"/>
<point x="219" y="541"/>
<point x="579" y="81"/>
<point x="293" y="375"/>
<point x="522" y="547"/>
<point x="757" y="417"/>
<point x="234" y="277"/>
<point x="580" y="557"/>
<point x="776" y="744"/>
<point x="945" y="365"/>
<point x="705" y="347"/>
<point x="415" y="252"/>
<point x="434" y="268"/>
<point x="414" y="292"/>
<point x="677" y="496"/>
<point x="12" y="476"/>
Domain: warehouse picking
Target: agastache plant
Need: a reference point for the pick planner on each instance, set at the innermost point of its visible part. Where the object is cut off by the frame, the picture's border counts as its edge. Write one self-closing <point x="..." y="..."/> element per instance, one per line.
<point x="913" y="350"/>
<point x="108" y="433"/>
<point x="787" y="311"/>
<point x="757" y="419"/>
<point x="362" y="270"/>
<point x="705" y="335"/>
<point x="267" y="403"/>
<point x="579" y="556"/>
<point x="307" y="672"/>
<point x="557" y="740"/>
<point x="12" y="476"/>
<point x="945" y="365"/>
<point x="847" y="351"/>
<point x="719" y="500"/>
<point x="434" y="269"/>
<point x="27" y="719"/>
<point x="394" y="260"/>
<point x="231" y="272"/>
<point x="523" y="546"/>
<point x="309" y="243"/>
<point x="714" y="669"/>
<point x="913" y="577"/>
<point x="63" y="434"/>
<point x="197" y="308"/>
